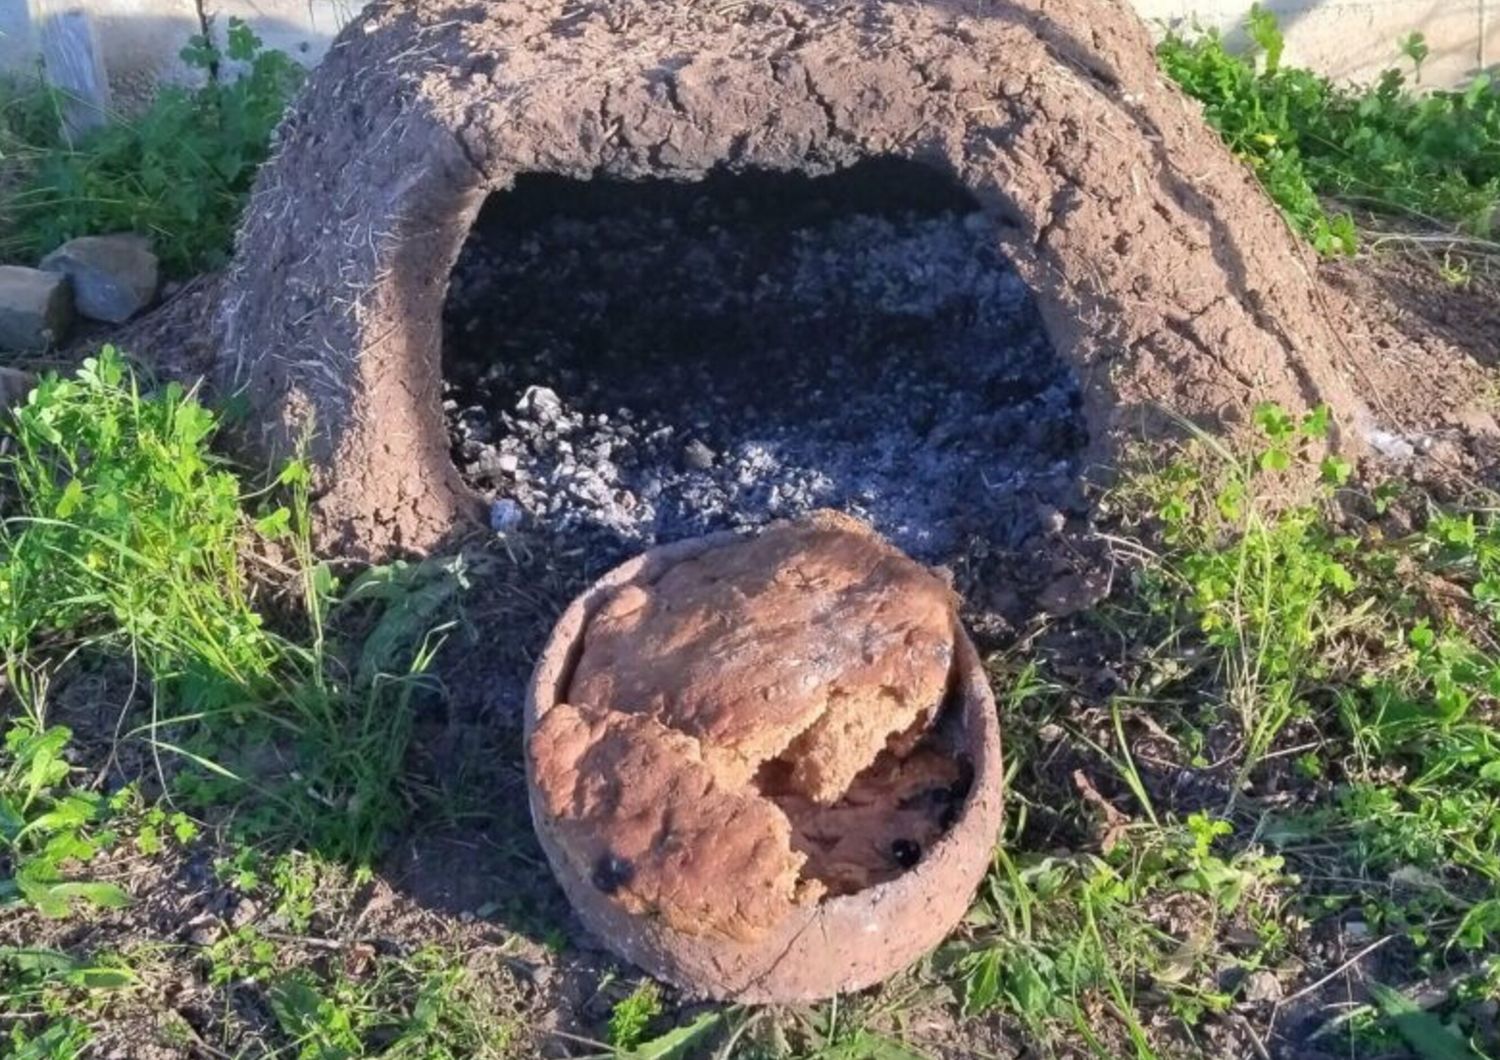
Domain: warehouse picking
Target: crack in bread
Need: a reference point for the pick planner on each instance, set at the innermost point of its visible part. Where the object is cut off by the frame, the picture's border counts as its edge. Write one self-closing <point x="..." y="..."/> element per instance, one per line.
<point x="638" y="811"/>
<point x="887" y="820"/>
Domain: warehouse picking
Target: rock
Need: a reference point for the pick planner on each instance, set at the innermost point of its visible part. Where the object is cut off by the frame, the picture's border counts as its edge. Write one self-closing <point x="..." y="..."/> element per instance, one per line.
<point x="505" y="515"/>
<point x="14" y="386"/>
<point x="1391" y="446"/>
<point x="508" y="463"/>
<point x="201" y="931"/>
<point x="244" y="911"/>
<point x="1261" y="986"/>
<point x="540" y="403"/>
<point x="114" y="277"/>
<point x="698" y="456"/>
<point x="486" y="461"/>
<point x="1051" y="520"/>
<point x="538" y="975"/>
<point x="36" y="308"/>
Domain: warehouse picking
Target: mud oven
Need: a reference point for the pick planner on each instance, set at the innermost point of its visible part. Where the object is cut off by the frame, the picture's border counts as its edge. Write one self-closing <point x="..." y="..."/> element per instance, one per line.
<point x="1163" y="280"/>
<point x="624" y="273"/>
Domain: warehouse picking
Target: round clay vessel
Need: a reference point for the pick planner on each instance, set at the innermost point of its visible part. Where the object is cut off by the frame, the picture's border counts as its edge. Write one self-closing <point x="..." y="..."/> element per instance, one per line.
<point x="834" y="946"/>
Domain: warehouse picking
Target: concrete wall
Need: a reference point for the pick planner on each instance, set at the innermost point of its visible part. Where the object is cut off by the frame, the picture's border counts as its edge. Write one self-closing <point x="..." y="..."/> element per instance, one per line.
<point x="1357" y="39"/>
<point x="1345" y="38"/>
<point x="140" y="39"/>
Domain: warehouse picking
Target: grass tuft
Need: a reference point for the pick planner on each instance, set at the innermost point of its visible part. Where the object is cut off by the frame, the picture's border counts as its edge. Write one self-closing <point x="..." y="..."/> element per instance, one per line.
<point x="1433" y="155"/>
<point x="179" y="172"/>
<point x="124" y="534"/>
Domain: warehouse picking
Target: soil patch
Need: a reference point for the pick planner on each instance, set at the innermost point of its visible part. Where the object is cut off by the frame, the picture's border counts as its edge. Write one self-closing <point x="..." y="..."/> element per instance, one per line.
<point x="1424" y="346"/>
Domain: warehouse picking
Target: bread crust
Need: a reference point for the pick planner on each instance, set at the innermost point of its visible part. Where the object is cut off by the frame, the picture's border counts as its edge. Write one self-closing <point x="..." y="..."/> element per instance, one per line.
<point x="815" y="641"/>
<point x="837" y="944"/>
<point x="642" y="816"/>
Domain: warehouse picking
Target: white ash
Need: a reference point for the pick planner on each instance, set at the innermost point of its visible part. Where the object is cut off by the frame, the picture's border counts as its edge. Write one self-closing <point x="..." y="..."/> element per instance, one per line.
<point x="634" y="378"/>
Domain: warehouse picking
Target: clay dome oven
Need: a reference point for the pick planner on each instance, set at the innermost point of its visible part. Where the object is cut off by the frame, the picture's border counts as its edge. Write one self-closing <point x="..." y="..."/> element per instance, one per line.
<point x="1165" y="280"/>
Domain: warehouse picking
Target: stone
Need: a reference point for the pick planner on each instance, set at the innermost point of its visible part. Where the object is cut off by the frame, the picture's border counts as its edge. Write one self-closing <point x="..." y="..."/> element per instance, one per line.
<point x="14" y="386"/>
<point x="244" y="911"/>
<point x="1261" y="986"/>
<point x="1391" y="446"/>
<point x="114" y="277"/>
<point x="1051" y="520"/>
<point x="698" y="456"/>
<point x="505" y="515"/>
<point x="541" y="403"/>
<point x="203" y="931"/>
<point x="36" y="308"/>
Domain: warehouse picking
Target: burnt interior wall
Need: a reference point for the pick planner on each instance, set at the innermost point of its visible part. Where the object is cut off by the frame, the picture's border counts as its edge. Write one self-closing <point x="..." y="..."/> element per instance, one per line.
<point x="631" y="362"/>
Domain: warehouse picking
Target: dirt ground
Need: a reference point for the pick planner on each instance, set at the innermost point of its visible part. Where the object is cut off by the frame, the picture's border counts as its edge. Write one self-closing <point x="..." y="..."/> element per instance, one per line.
<point x="468" y="872"/>
<point x="1430" y="349"/>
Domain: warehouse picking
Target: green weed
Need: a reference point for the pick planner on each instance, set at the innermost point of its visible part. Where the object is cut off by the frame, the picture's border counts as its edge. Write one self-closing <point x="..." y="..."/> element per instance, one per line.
<point x="30" y="125"/>
<point x="1267" y="589"/>
<point x="1305" y="620"/>
<point x="370" y="1000"/>
<point x="1435" y="155"/>
<point x="1424" y="1032"/>
<point x="681" y="1042"/>
<point x="157" y="823"/>
<point x="424" y="1007"/>
<point x="1056" y="937"/>
<point x="45" y="826"/>
<point x="124" y="534"/>
<point x="242" y="956"/>
<point x="1347" y="683"/>
<point x="632" y="1015"/>
<point x="179" y="172"/>
<point x="47" y="999"/>
<point x="1380" y="651"/>
<point x="849" y="1027"/>
<point x="124" y="531"/>
<point x="51" y="828"/>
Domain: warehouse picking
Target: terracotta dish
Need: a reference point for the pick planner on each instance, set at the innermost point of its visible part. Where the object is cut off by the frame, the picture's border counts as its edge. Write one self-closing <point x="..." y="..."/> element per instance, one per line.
<point x="766" y="768"/>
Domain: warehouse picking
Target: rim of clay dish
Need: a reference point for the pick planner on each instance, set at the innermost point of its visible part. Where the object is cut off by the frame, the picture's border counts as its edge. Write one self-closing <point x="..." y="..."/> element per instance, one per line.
<point x="838" y="945"/>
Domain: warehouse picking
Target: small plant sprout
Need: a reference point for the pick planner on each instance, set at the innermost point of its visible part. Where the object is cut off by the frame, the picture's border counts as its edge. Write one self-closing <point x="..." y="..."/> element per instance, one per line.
<point x="1381" y="147"/>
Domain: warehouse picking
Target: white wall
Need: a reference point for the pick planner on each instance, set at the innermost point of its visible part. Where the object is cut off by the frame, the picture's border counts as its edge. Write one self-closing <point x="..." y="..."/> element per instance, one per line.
<point x="303" y="28"/>
<point x="141" y="39"/>
<point x="1345" y="38"/>
<point x="1357" y="39"/>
